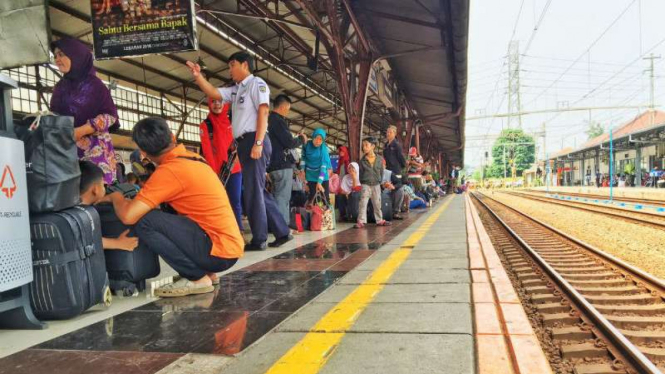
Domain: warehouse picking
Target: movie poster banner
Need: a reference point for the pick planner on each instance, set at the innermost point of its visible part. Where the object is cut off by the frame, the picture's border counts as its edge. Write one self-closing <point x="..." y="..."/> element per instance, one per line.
<point x="124" y="28"/>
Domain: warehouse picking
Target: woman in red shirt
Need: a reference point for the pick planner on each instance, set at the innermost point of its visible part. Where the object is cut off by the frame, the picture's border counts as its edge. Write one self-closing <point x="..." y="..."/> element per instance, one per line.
<point x="343" y="161"/>
<point x="216" y="139"/>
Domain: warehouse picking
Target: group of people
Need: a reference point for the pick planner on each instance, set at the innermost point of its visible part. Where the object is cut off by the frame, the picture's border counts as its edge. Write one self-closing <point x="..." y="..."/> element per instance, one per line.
<point x="252" y="145"/>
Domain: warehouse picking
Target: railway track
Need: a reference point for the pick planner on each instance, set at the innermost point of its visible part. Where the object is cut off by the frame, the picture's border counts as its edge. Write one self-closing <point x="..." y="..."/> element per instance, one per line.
<point x="603" y="316"/>
<point x="654" y="202"/>
<point x="644" y="218"/>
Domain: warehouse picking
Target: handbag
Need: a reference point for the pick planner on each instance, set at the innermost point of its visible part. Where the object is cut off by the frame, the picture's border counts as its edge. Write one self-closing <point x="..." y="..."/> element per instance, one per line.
<point x="51" y="158"/>
<point x="327" y="211"/>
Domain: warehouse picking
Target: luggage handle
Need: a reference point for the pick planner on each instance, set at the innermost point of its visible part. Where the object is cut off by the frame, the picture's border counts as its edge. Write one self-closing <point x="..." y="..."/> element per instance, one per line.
<point x="89" y="240"/>
<point x="38" y="116"/>
<point x="319" y="197"/>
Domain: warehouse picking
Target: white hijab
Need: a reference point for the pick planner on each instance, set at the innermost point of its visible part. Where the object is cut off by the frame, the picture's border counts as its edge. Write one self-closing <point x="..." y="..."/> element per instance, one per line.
<point x="347" y="181"/>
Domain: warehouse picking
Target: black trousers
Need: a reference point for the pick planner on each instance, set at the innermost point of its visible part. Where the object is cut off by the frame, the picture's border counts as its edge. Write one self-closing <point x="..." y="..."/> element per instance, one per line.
<point x="348" y="206"/>
<point x="181" y="243"/>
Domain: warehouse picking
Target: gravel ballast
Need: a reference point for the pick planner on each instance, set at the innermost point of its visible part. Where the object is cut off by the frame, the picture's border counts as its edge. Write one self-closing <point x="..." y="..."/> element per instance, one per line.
<point x="637" y="244"/>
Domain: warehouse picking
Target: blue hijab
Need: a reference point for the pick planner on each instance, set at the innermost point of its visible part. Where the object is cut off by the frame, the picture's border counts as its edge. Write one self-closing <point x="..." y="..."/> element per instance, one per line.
<point x="316" y="159"/>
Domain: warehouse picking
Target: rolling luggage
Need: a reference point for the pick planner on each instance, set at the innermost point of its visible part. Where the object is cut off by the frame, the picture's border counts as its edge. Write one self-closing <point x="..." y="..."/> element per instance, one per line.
<point x="386" y="207"/>
<point x="51" y="158"/>
<point x="127" y="271"/>
<point x="68" y="263"/>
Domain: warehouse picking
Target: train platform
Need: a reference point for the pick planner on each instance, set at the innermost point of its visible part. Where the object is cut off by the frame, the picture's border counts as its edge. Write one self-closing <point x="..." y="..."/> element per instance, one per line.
<point x="427" y="295"/>
<point x="640" y="193"/>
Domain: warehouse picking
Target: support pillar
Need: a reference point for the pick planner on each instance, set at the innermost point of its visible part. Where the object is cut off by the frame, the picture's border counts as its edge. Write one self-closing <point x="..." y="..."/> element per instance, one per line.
<point x="351" y="71"/>
<point x="638" y="166"/>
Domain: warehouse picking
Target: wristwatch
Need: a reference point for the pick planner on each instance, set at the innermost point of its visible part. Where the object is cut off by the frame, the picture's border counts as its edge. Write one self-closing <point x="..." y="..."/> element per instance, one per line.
<point x="259" y="143"/>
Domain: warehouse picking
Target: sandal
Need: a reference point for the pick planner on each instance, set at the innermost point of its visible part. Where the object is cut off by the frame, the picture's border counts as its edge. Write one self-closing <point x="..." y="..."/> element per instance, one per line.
<point x="182" y="287"/>
<point x="359" y="225"/>
<point x="384" y="223"/>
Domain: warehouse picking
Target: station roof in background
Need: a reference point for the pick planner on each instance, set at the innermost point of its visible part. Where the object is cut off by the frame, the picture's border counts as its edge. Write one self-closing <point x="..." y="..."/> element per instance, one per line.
<point x="644" y="122"/>
<point x="433" y="82"/>
<point x="434" y="79"/>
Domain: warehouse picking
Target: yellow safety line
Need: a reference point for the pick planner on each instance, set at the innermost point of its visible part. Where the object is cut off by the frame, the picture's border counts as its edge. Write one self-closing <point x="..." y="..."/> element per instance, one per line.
<point x="312" y="352"/>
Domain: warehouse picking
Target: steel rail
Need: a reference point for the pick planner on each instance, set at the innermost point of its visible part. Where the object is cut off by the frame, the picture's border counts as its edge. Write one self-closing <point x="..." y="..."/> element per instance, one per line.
<point x="629" y="350"/>
<point x="654" y="202"/>
<point x="572" y="204"/>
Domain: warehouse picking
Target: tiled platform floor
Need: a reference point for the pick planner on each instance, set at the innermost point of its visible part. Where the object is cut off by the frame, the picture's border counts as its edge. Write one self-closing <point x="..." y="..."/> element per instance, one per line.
<point x="249" y="303"/>
<point x="447" y="308"/>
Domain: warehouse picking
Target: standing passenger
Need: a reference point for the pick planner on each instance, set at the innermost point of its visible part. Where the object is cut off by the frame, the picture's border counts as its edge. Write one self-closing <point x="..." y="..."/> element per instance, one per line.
<point x="371" y="174"/>
<point x="82" y="95"/>
<point x="216" y="140"/>
<point x="282" y="162"/>
<point x="396" y="163"/>
<point x="250" y="104"/>
<point x="316" y="163"/>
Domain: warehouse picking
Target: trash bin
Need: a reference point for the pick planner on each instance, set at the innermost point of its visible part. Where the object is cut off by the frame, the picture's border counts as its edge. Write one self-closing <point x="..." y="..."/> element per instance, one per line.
<point x="15" y="252"/>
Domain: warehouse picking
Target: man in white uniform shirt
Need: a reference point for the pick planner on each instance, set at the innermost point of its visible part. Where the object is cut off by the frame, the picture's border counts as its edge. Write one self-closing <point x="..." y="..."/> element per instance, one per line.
<point x="250" y="106"/>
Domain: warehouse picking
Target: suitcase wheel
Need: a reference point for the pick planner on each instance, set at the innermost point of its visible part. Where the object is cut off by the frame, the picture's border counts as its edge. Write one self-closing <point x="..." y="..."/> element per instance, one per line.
<point x="108" y="296"/>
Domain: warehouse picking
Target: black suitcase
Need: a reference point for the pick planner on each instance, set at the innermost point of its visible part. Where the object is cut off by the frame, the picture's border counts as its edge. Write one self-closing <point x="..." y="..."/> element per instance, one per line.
<point x="68" y="263"/>
<point x="127" y="271"/>
<point x="386" y="207"/>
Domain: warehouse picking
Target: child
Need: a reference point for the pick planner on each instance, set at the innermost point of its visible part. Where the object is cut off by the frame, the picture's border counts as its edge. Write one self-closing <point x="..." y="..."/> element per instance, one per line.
<point x="371" y="174"/>
<point x="92" y="191"/>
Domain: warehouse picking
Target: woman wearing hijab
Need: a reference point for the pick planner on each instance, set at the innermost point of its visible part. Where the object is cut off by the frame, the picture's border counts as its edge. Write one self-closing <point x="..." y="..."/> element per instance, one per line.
<point x="216" y="139"/>
<point x="82" y="95"/>
<point x="348" y="197"/>
<point x="316" y="163"/>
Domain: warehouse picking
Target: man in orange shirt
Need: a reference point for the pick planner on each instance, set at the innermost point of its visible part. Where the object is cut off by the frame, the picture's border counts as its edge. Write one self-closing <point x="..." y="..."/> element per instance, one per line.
<point x="203" y="238"/>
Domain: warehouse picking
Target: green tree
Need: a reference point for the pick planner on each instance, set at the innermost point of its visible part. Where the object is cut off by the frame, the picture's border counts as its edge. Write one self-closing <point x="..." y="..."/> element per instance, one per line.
<point x="595" y="129"/>
<point x="520" y="150"/>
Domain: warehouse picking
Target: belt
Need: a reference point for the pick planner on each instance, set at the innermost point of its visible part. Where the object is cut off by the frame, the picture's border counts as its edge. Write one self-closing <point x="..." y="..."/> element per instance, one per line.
<point x="242" y="137"/>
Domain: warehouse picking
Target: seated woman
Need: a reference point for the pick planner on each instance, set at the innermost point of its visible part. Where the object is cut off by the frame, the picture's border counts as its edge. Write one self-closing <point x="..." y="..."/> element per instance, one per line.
<point x="82" y="95"/>
<point x="349" y="196"/>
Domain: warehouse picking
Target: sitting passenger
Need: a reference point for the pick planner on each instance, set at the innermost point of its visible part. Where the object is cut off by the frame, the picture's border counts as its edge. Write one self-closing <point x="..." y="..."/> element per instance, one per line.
<point x="204" y="237"/>
<point x="415" y="201"/>
<point x="348" y="198"/>
<point x="93" y="191"/>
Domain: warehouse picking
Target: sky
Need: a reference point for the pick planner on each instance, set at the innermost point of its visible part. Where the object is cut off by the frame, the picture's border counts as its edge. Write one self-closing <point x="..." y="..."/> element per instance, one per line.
<point x="572" y="54"/>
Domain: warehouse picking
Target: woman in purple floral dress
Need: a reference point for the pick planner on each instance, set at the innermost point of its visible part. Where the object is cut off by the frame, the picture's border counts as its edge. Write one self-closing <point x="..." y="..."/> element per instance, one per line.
<point x="82" y="95"/>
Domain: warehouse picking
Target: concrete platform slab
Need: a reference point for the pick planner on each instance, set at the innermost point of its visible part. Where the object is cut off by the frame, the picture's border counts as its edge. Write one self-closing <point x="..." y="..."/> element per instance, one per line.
<point x="450" y="247"/>
<point x="451" y="262"/>
<point x="407" y="293"/>
<point x="414" y="276"/>
<point x="442" y="318"/>
<point x="261" y="356"/>
<point x="402" y="353"/>
<point x="196" y="364"/>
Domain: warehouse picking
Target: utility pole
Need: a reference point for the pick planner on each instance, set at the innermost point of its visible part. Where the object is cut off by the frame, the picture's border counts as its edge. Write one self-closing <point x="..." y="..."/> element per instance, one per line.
<point x="514" y="100"/>
<point x="652" y="77"/>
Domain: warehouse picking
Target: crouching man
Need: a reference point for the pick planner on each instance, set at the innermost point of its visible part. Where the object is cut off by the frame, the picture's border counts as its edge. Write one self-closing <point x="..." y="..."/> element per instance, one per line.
<point x="203" y="238"/>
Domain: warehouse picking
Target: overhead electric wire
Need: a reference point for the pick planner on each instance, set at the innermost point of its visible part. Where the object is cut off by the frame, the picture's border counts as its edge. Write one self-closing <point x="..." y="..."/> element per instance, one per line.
<point x="537" y="27"/>
<point x="592" y="45"/>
